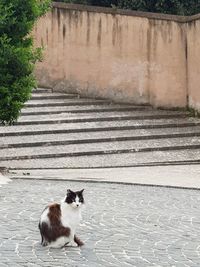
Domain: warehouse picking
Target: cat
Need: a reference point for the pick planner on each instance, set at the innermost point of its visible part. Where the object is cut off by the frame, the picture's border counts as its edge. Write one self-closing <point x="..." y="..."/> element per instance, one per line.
<point x="58" y="222"/>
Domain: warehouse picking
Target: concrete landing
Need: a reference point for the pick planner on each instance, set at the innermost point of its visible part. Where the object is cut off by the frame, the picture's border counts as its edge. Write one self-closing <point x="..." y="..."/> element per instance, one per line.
<point x="4" y="179"/>
<point x="187" y="176"/>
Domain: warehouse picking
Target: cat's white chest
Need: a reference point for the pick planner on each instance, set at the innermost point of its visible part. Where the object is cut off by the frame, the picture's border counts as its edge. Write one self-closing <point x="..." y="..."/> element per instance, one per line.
<point x="70" y="217"/>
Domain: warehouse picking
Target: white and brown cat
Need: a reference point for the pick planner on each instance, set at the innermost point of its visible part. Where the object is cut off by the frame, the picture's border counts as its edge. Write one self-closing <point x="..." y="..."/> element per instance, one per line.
<point x="58" y="222"/>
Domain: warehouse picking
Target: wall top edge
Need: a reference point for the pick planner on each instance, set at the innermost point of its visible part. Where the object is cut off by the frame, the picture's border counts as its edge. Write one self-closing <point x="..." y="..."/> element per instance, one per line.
<point x="113" y="11"/>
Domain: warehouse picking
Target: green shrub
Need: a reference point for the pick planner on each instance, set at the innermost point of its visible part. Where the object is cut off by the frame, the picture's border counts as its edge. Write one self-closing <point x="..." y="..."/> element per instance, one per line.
<point x="177" y="7"/>
<point x="106" y="3"/>
<point x="17" y="55"/>
<point x="83" y="2"/>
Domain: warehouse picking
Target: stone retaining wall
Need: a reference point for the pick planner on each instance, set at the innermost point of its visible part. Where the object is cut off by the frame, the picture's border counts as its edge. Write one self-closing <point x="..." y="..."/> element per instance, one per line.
<point x="122" y="55"/>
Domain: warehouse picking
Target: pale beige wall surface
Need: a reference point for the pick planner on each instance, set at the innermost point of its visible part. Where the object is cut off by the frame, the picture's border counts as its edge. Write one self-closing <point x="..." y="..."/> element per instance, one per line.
<point x="193" y="43"/>
<point x="127" y="58"/>
<point x="167" y="76"/>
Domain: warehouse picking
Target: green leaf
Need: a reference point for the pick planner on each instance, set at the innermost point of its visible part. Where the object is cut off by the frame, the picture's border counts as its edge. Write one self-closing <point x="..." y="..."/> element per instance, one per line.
<point x="17" y="54"/>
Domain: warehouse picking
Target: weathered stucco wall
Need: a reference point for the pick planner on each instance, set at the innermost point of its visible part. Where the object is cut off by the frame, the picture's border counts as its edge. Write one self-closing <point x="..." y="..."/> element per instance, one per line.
<point x="193" y="64"/>
<point x="124" y="56"/>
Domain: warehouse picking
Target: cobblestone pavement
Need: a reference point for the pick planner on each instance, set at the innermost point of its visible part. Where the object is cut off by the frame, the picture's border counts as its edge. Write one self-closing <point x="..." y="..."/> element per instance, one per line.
<point x="122" y="225"/>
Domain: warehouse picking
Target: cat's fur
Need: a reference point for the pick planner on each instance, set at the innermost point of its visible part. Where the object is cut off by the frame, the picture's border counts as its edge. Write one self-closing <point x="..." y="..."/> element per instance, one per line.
<point x="58" y="222"/>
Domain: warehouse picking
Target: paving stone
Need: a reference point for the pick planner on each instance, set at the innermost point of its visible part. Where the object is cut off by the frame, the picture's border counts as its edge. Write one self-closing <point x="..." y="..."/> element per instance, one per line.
<point x="118" y="228"/>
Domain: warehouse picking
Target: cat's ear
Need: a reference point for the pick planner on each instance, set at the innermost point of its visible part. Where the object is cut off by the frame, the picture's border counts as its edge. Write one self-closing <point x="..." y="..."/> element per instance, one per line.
<point x="81" y="192"/>
<point x="69" y="192"/>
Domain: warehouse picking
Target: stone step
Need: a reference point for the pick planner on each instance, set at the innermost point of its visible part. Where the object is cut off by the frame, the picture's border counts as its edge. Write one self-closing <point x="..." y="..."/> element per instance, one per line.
<point x="44" y="96"/>
<point x="81" y="109"/>
<point x="155" y="158"/>
<point x="73" y="118"/>
<point x="100" y="148"/>
<point x="96" y="126"/>
<point x="110" y="114"/>
<point x="64" y="102"/>
<point x="42" y="90"/>
<point x="97" y="137"/>
<point x="66" y="131"/>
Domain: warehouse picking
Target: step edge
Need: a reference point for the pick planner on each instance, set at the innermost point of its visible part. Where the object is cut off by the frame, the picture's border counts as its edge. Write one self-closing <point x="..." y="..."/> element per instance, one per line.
<point x="100" y="153"/>
<point x="99" y="140"/>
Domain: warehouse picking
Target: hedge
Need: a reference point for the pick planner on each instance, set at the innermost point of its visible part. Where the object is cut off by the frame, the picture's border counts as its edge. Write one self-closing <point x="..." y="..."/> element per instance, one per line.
<point x="17" y="55"/>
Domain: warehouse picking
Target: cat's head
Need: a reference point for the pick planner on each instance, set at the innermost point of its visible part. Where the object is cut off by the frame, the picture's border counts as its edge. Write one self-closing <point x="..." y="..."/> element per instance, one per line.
<point x="75" y="199"/>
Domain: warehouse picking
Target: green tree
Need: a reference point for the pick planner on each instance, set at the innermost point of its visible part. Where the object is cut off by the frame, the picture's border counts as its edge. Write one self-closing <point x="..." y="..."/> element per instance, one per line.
<point x="176" y="7"/>
<point x="17" y="54"/>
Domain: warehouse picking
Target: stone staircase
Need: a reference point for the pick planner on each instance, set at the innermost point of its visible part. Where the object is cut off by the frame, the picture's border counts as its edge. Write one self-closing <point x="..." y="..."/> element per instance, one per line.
<point x="65" y="131"/>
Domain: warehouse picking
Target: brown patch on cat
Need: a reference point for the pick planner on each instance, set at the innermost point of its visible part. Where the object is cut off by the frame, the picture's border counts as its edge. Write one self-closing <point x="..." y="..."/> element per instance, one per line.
<point x="78" y="241"/>
<point x="56" y="229"/>
<point x="54" y="214"/>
